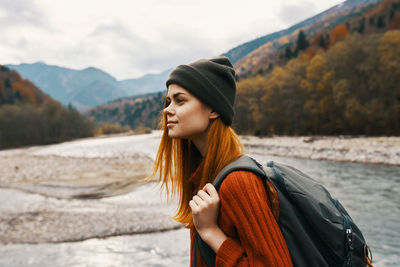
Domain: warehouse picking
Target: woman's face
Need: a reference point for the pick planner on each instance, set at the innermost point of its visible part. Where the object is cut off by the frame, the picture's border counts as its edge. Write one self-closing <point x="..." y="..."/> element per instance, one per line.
<point x="187" y="116"/>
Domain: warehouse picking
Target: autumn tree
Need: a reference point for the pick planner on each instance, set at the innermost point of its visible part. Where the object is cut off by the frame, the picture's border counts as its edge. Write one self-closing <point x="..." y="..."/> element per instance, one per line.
<point x="338" y="34"/>
<point x="387" y="79"/>
<point x="248" y="107"/>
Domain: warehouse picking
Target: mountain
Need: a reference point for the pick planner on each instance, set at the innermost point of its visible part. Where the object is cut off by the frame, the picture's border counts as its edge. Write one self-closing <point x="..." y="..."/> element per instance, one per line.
<point x="333" y="16"/>
<point x="89" y="87"/>
<point x="75" y="87"/>
<point x="322" y="31"/>
<point x="148" y="83"/>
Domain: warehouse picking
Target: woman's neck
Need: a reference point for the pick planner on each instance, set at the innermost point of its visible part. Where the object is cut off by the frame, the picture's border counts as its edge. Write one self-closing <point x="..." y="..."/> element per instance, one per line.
<point x="201" y="145"/>
<point x="200" y="141"/>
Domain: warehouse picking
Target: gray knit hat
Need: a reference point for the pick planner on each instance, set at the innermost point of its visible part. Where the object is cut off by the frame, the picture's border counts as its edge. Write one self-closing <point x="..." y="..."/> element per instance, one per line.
<point x="210" y="80"/>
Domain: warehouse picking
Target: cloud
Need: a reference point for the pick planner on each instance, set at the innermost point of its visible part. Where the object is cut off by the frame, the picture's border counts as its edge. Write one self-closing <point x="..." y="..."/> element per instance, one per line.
<point x="291" y="13"/>
<point x="116" y="29"/>
<point x="19" y="12"/>
<point x="132" y="54"/>
<point x="116" y="44"/>
<point x="176" y="44"/>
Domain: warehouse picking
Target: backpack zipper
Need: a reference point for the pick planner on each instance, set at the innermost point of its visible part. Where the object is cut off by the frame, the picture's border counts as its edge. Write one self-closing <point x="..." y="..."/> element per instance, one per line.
<point x="348" y="233"/>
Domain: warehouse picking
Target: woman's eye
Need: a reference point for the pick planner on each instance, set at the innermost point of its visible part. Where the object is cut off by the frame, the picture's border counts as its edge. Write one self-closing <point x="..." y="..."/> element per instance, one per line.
<point x="178" y="100"/>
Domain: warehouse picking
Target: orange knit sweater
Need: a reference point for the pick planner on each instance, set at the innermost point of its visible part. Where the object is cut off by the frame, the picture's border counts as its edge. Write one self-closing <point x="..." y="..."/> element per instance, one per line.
<point x="254" y="238"/>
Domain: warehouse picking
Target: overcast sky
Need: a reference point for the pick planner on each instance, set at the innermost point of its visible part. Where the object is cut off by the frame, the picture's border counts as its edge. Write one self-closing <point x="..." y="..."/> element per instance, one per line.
<point x="130" y="38"/>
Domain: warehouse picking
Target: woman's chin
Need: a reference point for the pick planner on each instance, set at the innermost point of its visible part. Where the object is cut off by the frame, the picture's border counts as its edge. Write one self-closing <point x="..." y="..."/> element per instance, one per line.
<point x="172" y="134"/>
<point x="175" y="135"/>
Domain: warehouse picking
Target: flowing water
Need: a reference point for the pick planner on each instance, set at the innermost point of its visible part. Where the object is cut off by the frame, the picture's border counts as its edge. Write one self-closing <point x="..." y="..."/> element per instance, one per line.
<point x="370" y="193"/>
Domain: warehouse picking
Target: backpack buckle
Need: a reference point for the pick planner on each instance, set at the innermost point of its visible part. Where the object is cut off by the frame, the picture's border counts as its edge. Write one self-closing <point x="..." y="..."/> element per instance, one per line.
<point x="368" y="255"/>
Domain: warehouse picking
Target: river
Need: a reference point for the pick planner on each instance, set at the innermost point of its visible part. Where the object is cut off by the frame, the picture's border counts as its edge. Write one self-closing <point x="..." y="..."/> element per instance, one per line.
<point x="370" y="193"/>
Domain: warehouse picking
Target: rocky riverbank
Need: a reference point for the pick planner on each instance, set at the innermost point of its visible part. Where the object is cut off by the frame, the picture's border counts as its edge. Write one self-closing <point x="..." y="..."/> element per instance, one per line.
<point x="82" y="189"/>
<point x="30" y="218"/>
<point x="93" y="187"/>
<point x="378" y="150"/>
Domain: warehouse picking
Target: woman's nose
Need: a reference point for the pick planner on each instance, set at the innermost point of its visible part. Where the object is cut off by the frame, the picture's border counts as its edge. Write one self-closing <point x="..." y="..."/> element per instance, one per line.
<point x="168" y="109"/>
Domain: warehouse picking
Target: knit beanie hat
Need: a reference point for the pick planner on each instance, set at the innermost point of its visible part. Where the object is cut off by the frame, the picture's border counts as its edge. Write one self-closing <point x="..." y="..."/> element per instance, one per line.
<point x="210" y="80"/>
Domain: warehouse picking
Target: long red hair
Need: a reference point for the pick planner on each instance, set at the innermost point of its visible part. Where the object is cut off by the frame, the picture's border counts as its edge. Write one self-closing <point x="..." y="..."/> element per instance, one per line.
<point x="178" y="159"/>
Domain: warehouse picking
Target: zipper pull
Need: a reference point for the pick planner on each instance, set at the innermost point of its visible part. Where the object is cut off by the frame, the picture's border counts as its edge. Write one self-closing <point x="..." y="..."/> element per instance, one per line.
<point x="349" y="235"/>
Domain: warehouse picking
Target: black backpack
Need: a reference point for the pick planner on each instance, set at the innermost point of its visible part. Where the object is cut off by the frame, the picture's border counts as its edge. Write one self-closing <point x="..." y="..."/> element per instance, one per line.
<point x="317" y="229"/>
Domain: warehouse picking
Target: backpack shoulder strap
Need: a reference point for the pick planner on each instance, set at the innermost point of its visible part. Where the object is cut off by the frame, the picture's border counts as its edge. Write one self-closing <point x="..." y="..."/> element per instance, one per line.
<point x="242" y="163"/>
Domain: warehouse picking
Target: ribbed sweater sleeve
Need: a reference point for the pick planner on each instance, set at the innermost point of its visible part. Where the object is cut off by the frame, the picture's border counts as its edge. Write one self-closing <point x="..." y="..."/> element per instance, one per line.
<point x="259" y="241"/>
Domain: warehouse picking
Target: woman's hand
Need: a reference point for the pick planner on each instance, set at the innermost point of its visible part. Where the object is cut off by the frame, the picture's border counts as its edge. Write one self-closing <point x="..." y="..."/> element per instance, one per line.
<point x="205" y="209"/>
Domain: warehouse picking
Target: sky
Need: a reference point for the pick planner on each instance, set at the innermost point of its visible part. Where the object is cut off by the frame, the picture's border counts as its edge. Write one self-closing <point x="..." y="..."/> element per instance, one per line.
<point x="130" y="38"/>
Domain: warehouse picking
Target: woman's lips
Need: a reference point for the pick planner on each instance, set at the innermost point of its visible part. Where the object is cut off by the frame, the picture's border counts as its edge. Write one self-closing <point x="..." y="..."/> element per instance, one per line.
<point x="171" y="123"/>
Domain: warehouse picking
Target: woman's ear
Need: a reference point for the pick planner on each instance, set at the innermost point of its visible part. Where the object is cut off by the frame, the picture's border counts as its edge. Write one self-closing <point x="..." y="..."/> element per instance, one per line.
<point x="213" y="115"/>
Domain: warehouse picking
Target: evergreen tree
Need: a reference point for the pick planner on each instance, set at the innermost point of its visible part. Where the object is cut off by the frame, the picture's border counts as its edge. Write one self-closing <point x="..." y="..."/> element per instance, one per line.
<point x="288" y="53"/>
<point x="392" y="11"/>
<point x="381" y="22"/>
<point x="372" y="20"/>
<point x="361" y="25"/>
<point x="322" y="42"/>
<point x="302" y="42"/>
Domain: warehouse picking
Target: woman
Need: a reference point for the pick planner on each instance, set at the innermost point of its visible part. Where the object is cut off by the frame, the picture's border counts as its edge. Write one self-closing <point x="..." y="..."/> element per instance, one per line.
<point x="197" y="142"/>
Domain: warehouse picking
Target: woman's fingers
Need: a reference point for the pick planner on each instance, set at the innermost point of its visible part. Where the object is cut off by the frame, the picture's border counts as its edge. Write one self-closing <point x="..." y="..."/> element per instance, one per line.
<point x="200" y="203"/>
<point x="204" y="196"/>
<point x="195" y="208"/>
<point x="197" y="200"/>
<point x="209" y="194"/>
<point x="205" y="208"/>
<point x="211" y="191"/>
